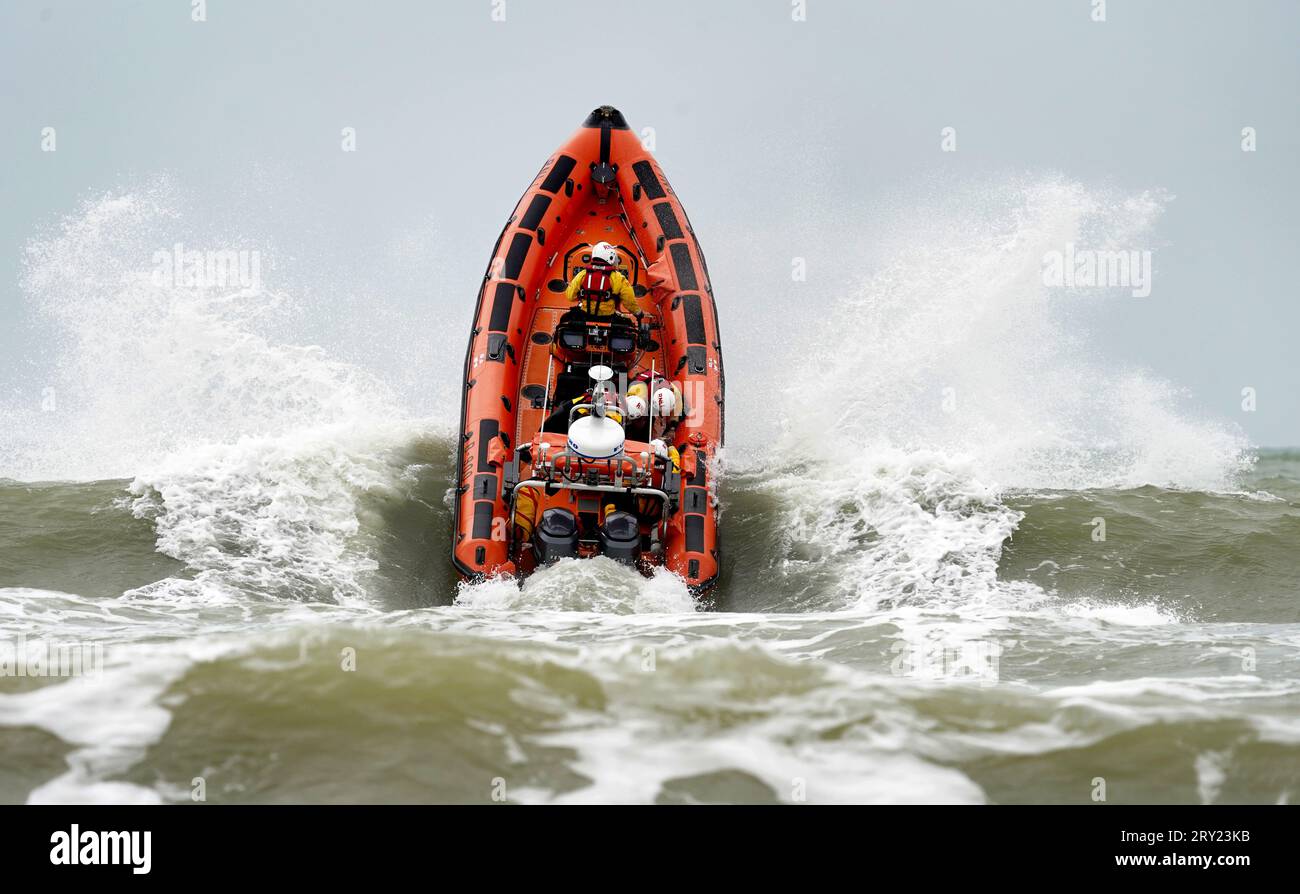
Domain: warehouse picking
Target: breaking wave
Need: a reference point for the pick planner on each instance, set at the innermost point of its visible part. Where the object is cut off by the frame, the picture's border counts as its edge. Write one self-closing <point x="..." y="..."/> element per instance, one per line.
<point x="265" y="503"/>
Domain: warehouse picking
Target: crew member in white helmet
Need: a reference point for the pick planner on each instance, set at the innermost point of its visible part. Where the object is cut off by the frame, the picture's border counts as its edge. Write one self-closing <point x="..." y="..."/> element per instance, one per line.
<point x="661" y="401"/>
<point x="600" y="289"/>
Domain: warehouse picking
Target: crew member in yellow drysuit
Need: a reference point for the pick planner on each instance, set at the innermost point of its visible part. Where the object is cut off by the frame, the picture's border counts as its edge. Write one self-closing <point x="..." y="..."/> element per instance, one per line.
<point x="601" y="290"/>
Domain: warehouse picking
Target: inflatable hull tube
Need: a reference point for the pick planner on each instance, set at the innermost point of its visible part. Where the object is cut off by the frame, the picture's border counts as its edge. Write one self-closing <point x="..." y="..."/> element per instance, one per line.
<point x="601" y="185"/>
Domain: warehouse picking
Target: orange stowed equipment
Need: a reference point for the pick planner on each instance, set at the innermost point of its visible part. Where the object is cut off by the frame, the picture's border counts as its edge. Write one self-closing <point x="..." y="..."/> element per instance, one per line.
<point x="527" y="508"/>
<point x="600" y="203"/>
<point x="689" y="465"/>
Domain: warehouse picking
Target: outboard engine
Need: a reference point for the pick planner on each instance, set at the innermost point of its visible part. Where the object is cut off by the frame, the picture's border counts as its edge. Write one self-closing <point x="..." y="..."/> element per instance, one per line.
<point x="556" y="536"/>
<point x="620" y="537"/>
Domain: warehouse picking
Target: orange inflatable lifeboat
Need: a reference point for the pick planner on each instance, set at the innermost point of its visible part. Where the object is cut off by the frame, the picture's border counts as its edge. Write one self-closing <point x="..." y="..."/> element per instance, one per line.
<point x="593" y="388"/>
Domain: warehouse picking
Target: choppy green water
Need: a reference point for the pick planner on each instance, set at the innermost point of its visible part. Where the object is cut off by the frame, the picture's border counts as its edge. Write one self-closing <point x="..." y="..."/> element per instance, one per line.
<point x="1164" y="660"/>
<point x="916" y="602"/>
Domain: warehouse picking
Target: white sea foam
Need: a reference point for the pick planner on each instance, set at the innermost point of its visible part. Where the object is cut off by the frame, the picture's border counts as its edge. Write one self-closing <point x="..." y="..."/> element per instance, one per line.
<point x="951" y="376"/>
<point x="1141" y="614"/>
<point x="143" y="370"/>
<point x="579" y="585"/>
<point x="279" y="516"/>
<point x="257" y="457"/>
<point x="110" y="718"/>
<point x="250" y="452"/>
<point x="954" y="345"/>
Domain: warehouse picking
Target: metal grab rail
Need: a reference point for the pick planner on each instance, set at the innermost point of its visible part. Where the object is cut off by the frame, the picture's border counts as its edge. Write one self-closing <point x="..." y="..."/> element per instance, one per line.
<point x="614" y="472"/>
<point x="602" y="488"/>
<point x="654" y="492"/>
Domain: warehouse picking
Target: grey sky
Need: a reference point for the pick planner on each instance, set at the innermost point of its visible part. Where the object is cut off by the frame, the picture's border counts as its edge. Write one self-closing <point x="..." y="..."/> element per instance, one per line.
<point x="757" y="119"/>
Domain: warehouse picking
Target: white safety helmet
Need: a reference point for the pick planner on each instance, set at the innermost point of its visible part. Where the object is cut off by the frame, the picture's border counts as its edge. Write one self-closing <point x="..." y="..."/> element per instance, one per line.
<point x="636" y="406"/>
<point x="665" y="402"/>
<point x="605" y="254"/>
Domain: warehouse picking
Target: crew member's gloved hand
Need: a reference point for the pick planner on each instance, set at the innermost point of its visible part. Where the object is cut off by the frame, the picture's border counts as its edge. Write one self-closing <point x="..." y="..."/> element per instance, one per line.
<point x="660" y="448"/>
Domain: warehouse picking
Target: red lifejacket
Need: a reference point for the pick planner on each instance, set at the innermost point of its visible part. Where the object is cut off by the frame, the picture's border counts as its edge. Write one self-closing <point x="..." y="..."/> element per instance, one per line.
<point x="596" y="286"/>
